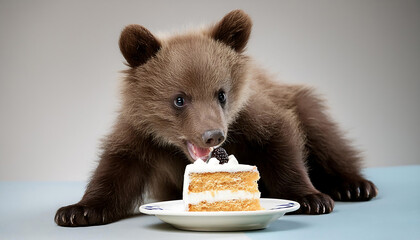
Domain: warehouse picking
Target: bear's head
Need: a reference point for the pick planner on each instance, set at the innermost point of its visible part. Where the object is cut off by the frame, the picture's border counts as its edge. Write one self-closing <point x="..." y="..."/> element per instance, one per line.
<point x="185" y="89"/>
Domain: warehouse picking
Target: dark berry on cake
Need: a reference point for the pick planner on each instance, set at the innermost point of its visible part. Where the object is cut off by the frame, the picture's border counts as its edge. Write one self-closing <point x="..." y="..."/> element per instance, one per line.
<point x="221" y="155"/>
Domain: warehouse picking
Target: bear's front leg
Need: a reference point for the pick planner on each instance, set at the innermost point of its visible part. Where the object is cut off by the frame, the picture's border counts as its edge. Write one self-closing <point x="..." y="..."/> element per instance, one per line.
<point x="272" y="141"/>
<point x="284" y="174"/>
<point x="114" y="189"/>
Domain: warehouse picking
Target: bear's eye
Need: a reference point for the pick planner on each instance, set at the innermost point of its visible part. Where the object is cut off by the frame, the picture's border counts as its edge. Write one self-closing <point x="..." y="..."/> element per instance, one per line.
<point x="179" y="101"/>
<point x="222" y="97"/>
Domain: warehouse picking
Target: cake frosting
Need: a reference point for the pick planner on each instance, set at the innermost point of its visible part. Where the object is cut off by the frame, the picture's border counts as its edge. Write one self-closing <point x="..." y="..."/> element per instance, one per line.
<point x="210" y="196"/>
<point x="213" y="165"/>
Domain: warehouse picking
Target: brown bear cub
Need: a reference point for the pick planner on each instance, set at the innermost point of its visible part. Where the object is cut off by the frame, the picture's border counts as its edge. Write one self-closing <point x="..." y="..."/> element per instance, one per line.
<point x="186" y="93"/>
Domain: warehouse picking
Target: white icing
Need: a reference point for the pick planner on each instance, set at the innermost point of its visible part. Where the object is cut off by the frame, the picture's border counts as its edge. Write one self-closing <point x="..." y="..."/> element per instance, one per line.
<point x="217" y="196"/>
<point x="213" y="165"/>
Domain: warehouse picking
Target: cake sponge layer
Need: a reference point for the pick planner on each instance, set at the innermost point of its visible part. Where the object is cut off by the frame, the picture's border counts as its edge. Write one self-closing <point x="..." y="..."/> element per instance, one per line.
<point x="230" y="205"/>
<point x="218" y="181"/>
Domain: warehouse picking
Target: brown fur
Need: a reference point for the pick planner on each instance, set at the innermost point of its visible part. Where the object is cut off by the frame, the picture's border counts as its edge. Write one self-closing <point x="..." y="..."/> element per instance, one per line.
<point x="282" y="129"/>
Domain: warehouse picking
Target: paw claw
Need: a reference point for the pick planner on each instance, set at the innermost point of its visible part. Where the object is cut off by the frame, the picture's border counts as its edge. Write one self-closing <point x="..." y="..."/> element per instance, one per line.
<point x="63" y="219"/>
<point x="72" y="219"/>
<point x="338" y="196"/>
<point x="358" y="192"/>
<point x="348" y="194"/>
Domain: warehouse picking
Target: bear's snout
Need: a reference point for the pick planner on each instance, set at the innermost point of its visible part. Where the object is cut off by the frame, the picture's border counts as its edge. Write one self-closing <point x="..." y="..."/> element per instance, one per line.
<point x="213" y="137"/>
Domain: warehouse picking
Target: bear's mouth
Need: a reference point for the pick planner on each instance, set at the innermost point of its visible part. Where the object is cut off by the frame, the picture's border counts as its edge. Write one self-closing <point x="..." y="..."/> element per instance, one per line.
<point x="197" y="152"/>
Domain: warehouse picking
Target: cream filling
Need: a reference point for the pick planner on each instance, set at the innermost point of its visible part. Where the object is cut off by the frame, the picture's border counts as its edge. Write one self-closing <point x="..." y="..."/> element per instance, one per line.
<point x="217" y="196"/>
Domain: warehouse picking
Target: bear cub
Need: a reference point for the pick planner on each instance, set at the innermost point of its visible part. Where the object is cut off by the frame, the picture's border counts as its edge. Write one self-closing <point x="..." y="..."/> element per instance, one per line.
<point x="186" y="93"/>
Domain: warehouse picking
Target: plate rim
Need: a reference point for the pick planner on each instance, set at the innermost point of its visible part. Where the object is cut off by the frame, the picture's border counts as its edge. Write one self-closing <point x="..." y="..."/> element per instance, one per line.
<point x="142" y="209"/>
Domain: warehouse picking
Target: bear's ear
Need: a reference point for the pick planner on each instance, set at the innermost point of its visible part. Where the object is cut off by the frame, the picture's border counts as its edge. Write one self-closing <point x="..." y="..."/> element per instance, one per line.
<point x="138" y="45"/>
<point x="234" y="30"/>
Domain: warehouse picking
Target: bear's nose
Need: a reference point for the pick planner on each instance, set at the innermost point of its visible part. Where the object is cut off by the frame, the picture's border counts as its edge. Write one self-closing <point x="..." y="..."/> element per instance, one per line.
<point x="213" y="137"/>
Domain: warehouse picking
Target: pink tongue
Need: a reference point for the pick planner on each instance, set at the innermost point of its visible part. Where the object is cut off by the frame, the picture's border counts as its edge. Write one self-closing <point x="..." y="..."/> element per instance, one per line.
<point x="201" y="152"/>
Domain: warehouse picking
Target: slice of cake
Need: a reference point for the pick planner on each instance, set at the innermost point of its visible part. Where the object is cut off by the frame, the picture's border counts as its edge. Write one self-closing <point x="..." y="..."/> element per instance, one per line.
<point x="221" y="187"/>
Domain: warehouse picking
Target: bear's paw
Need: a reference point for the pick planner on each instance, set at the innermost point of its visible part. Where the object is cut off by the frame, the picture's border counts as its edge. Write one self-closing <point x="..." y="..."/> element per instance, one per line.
<point x="78" y="215"/>
<point x="354" y="190"/>
<point x="317" y="203"/>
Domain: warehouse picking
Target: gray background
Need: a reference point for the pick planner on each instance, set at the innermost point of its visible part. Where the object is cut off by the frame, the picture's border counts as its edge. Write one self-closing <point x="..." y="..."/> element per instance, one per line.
<point x="60" y="72"/>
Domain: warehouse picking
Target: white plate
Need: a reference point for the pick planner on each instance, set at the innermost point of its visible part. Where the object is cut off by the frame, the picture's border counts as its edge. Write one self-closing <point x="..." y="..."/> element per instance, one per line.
<point x="173" y="212"/>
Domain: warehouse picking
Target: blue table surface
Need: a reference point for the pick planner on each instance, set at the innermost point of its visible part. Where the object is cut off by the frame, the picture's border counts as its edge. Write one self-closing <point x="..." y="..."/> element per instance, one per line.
<point x="27" y="211"/>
